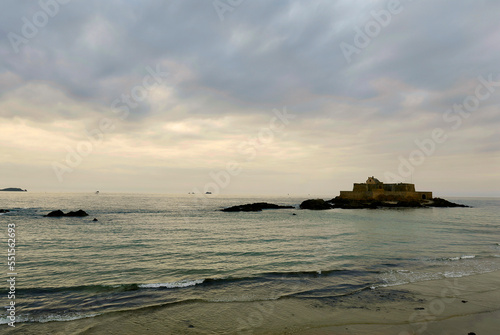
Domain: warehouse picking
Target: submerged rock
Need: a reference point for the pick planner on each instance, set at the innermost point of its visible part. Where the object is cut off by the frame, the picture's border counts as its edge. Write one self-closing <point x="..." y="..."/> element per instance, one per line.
<point x="255" y="207"/>
<point x="59" y="213"/>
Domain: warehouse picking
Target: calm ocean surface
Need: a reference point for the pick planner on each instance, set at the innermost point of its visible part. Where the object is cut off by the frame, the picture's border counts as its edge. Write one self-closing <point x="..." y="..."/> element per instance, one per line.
<point x="150" y="249"/>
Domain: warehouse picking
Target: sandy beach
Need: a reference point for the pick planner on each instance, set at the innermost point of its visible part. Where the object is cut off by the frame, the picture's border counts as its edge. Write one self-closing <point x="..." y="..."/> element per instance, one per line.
<point x="447" y="306"/>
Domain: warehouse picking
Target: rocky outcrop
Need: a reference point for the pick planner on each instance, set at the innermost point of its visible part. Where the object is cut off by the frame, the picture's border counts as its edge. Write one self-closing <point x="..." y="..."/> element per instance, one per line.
<point x="438" y="202"/>
<point x="78" y="213"/>
<point x="13" y="189"/>
<point x="59" y="213"/>
<point x="315" y="204"/>
<point x="338" y="202"/>
<point x="255" y="207"/>
<point x="55" y="214"/>
<point x="4" y="211"/>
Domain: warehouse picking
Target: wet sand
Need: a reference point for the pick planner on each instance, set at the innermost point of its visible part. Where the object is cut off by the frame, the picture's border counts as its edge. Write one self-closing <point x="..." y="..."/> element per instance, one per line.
<point x="447" y="306"/>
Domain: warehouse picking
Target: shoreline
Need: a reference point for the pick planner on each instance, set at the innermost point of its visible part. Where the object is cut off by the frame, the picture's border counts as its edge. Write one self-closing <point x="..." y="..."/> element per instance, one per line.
<point x="443" y="306"/>
<point x="461" y="305"/>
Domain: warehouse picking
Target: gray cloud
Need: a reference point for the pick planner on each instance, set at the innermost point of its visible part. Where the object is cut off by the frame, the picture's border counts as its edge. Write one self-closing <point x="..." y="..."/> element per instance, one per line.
<point x="263" y="55"/>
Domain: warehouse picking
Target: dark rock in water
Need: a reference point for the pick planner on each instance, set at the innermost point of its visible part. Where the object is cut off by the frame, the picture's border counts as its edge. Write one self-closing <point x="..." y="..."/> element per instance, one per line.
<point x="438" y="202"/>
<point x="60" y="213"/>
<point x="55" y="214"/>
<point x="471" y="333"/>
<point x="256" y="207"/>
<point x="410" y="203"/>
<point x="78" y="213"/>
<point x="13" y="189"/>
<point x="294" y="214"/>
<point x="315" y="204"/>
<point x="338" y="202"/>
<point x="95" y="219"/>
<point x="4" y="211"/>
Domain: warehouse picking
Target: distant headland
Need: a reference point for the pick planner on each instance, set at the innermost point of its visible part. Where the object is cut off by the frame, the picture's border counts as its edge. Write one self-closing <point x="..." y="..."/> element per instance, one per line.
<point x="13" y="189"/>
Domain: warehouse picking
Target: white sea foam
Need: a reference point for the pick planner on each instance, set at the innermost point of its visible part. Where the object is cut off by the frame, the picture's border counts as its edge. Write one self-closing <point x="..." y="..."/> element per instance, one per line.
<point x="49" y="318"/>
<point x="71" y="317"/>
<point x="455" y="274"/>
<point x="462" y="257"/>
<point x="183" y="283"/>
<point x="403" y="277"/>
<point x="388" y="285"/>
<point x="469" y="266"/>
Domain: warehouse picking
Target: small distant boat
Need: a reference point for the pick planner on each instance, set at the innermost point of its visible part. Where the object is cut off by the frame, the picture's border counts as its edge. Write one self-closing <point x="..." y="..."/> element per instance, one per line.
<point x="208" y="192"/>
<point x="96" y="192"/>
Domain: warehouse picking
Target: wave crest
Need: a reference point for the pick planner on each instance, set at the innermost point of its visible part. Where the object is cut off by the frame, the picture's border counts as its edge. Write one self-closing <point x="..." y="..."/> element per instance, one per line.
<point x="178" y="284"/>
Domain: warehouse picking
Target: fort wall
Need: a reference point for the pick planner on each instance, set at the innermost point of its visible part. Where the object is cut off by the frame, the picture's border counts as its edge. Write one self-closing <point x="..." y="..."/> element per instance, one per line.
<point x="376" y="190"/>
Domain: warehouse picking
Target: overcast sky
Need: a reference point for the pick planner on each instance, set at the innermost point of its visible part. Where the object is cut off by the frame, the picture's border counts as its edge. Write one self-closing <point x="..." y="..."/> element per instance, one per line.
<point x="252" y="97"/>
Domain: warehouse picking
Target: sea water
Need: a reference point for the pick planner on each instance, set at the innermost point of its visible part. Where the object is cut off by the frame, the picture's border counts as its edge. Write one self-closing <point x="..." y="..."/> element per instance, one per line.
<point x="151" y="250"/>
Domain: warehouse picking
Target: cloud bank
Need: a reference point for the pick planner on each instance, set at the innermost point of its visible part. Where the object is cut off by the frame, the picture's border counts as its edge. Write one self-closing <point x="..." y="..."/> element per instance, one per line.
<point x="365" y="82"/>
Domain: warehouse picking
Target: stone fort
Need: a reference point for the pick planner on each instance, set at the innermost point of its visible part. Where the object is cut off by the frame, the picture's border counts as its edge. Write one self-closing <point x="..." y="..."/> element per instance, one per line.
<point x="377" y="190"/>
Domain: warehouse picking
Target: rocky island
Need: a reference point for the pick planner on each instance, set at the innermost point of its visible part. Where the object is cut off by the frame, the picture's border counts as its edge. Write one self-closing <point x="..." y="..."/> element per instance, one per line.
<point x="372" y="194"/>
<point x="338" y="202"/>
<point x="255" y="207"/>
<point x="13" y="189"/>
<point x="60" y="213"/>
<point x="375" y="194"/>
